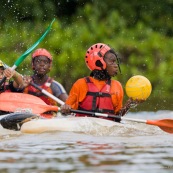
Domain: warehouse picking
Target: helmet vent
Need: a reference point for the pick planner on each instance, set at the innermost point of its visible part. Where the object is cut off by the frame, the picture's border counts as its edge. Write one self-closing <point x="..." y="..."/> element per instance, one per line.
<point x="99" y="64"/>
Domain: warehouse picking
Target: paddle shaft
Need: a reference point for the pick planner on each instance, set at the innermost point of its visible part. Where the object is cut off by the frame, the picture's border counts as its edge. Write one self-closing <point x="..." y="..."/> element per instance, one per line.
<point x="47" y="93"/>
<point x="116" y="117"/>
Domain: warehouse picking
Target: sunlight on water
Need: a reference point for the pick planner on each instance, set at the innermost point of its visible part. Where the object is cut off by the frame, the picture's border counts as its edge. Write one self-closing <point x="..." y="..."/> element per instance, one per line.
<point x="127" y="147"/>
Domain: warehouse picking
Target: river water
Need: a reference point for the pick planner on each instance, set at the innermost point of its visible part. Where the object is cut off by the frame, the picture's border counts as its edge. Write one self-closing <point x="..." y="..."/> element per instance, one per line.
<point x="132" y="147"/>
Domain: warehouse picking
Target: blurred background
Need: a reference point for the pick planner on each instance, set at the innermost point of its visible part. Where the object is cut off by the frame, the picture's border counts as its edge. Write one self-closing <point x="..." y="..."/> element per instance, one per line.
<point x="140" y="32"/>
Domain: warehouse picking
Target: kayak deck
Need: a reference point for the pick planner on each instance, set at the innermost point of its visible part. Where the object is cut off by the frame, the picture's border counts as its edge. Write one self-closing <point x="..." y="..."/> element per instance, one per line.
<point x="73" y="124"/>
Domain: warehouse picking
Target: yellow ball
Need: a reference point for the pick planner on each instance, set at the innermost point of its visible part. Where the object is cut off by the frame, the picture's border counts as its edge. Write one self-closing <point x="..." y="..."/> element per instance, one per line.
<point x="138" y="87"/>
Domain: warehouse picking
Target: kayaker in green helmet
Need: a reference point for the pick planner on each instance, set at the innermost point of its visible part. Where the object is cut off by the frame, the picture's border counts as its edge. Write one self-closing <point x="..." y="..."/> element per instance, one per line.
<point x="98" y="92"/>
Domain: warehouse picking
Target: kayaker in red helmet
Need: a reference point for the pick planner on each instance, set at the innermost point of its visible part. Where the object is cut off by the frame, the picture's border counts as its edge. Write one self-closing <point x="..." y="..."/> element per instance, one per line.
<point x="41" y="65"/>
<point x="98" y="92"/>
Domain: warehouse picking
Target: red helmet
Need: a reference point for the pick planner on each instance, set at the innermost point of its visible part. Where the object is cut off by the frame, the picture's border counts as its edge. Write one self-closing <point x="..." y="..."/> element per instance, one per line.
<point x="94" y="56"/>
<point x="42" y="52"/>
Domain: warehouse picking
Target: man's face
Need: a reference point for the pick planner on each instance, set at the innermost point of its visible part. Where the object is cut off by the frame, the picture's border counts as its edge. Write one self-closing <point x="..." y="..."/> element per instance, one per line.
<point x="111" y="64"/>
<point x="41" y="65"/>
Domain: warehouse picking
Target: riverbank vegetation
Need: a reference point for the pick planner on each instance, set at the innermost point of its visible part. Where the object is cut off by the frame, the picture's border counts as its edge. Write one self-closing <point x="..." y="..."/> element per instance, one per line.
<point x="139" y="31"/>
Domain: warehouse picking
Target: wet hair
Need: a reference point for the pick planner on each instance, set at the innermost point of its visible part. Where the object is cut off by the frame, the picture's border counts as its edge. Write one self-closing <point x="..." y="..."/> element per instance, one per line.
<point x="102" y="74"/>
<point x="110" y="51"/>
<point x="2" y="67"/>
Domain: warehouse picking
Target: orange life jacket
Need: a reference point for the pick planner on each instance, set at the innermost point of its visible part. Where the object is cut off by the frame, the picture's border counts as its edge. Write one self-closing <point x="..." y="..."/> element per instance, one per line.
<point x="46" y="86"/>
<point x="97" y="100"/>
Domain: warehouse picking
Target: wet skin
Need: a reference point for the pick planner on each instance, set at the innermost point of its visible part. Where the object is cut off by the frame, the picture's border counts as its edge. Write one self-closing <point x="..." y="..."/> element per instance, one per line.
<point x="41" y="65"/>
<point x="111" y="64"/>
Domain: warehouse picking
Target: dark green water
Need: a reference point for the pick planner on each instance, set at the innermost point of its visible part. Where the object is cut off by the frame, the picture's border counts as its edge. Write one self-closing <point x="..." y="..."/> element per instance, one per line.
<point x="128" y="147"/>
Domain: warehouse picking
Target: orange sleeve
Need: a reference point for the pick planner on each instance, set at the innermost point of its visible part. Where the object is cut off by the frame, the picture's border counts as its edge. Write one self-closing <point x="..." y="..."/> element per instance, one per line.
<point x="77" y="93"/>
<point x="117" y="95"/>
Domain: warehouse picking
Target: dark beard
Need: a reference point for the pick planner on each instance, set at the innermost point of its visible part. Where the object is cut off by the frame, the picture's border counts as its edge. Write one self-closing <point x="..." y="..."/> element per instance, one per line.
<point x="100" y="75"/>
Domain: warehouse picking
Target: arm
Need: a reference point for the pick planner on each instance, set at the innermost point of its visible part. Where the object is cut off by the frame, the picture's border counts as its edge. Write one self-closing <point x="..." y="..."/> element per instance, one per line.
<point x="117" y="99"/>
<point x="76" y="95"/>
<point x="128" y="105"/>
<point x="18" y="79"/>
<point x="59" y="91"/>
<point x="117" y="95"/>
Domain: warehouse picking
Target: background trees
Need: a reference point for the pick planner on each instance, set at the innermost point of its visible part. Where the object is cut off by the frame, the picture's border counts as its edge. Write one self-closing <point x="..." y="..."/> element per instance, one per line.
<point x="140" y="32"/>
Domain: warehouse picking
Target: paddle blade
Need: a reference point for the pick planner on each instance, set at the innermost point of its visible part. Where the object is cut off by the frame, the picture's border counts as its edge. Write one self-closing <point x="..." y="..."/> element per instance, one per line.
<point x="15" y="102"/>
<point x="14" y="121"/>
<point x="25" y="54"/>
<point x="166" y="129"/>
<point x="164" y="124"/>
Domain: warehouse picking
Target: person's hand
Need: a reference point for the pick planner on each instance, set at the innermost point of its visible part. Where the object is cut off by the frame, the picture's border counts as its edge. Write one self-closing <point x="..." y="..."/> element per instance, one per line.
<point x="129" y="104"/>
<point x="8" y="73"/>
<point x="65" y="109"/>
<point x="26" y="81"/>
<point x="134" y="102"/>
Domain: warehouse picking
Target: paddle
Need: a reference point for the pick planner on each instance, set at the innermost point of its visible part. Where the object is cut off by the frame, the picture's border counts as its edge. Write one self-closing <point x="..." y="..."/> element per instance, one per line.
<point x="47" y="93"/>
<point x="16" y="101"/>
<point x="164" y="124"/>
<point x="25" y="54"/>
<point x="13" y="102"/>
<point x="14" y="121"/>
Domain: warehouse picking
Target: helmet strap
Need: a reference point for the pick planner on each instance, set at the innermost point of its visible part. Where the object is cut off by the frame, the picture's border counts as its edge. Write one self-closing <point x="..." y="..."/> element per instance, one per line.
<point x="118" y="60"/>
<point x="100" y="74"/>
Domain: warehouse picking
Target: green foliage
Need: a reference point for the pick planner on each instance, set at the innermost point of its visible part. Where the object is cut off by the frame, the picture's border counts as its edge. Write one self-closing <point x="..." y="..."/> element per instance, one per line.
<point x="140" y="32"/>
